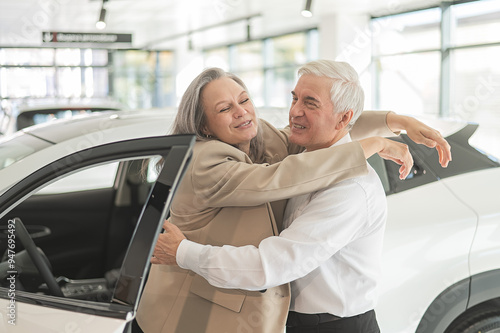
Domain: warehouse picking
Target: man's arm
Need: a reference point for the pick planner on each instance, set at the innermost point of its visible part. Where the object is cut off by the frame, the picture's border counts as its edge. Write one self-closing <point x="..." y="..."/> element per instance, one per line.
<point x="311" y="239"/>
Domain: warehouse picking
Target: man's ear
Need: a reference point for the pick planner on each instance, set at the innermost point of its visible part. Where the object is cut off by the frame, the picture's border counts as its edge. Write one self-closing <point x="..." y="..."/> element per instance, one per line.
<point x="344" y="121"/>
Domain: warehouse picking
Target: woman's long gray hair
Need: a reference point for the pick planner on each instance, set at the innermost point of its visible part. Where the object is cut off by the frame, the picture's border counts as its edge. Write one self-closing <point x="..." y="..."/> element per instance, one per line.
<point x="191" y="117"/>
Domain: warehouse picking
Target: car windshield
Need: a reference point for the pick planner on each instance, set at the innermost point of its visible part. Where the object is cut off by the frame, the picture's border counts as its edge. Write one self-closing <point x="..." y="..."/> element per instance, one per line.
<point x="16" y="147"/>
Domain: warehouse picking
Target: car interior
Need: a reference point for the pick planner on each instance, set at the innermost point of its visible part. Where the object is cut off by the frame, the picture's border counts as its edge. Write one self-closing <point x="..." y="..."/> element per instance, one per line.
<point x="82" y="225"/>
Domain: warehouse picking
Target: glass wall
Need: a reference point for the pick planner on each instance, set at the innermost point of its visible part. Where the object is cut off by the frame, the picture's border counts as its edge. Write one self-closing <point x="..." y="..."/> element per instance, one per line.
<point x="41" y="76"/>
<point x="143" y="79"/>
<point x="53" y="73"/>
<point x="267" y="66"/>
<point x="442" y="62"/>
<point x="407" y="62"/>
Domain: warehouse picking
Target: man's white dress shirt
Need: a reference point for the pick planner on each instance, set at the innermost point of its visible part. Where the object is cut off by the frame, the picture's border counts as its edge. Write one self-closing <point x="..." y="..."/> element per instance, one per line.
<point x="330" y="250"/>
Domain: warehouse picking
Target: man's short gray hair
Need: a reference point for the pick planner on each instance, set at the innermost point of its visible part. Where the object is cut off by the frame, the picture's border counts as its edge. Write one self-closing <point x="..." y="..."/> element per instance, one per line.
<point x="346" y="92"/>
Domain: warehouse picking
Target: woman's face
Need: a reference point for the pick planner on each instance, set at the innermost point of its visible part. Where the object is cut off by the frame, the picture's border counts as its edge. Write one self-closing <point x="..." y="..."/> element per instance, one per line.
<point x="229" y="112"/>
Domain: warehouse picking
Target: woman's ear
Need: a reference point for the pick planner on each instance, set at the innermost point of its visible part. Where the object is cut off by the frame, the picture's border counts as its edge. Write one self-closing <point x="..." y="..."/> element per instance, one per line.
<point x="206" y="131"/>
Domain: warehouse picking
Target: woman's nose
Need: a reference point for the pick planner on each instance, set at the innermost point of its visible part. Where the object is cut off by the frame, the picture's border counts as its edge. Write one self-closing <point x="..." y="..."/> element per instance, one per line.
<point x="239" y="111"/>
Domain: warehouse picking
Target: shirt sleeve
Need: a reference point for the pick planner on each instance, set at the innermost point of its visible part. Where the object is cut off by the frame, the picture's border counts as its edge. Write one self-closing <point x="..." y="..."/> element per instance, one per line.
<point x="329" y="222"/>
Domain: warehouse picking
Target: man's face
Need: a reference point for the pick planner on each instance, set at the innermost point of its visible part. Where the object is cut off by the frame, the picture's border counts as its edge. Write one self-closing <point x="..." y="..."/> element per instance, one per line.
<point x="312" y="119"/>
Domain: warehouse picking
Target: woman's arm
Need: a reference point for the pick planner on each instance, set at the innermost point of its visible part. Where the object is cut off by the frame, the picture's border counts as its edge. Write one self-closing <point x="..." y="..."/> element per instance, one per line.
<point x="389" y="150"/>
<point x="372" y="123"/>
<point x="224" y="176"/>
<point x="382" y="123"/>
<point x="421" y="134"/>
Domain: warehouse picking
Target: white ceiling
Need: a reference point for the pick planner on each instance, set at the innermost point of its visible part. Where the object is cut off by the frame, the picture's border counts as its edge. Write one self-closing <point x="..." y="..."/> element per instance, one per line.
<point x="151" y="21"/>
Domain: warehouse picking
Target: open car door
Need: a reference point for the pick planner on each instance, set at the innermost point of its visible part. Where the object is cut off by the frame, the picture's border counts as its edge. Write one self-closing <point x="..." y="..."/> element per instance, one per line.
<point x="62" y="304"/>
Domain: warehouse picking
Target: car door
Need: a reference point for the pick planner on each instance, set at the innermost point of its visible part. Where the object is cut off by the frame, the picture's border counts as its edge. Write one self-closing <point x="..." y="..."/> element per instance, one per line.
<point x="38" y="311"/>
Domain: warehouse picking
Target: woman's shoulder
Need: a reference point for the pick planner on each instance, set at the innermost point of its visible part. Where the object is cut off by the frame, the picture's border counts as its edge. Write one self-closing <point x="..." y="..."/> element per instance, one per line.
<point x="216" y="150"/>
<point x="272" y="133"/>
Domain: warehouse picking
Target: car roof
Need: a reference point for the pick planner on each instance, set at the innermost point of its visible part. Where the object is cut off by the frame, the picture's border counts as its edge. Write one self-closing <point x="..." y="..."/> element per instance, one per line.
<point x="61" y="130"/>
<point x="66" y="136"/>
<point x="59" y="107"/>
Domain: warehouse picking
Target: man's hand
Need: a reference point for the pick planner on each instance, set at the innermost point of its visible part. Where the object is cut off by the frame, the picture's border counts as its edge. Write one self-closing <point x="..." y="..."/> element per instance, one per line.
<point x="166" y="247"/>
<point x="421" y="134"/>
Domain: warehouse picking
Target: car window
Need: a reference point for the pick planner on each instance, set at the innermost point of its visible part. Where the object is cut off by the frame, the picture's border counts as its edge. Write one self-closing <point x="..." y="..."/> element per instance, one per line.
<point x="378" y="165"/>
<point x="99" y="177"/>
<point x="17" y="146"/>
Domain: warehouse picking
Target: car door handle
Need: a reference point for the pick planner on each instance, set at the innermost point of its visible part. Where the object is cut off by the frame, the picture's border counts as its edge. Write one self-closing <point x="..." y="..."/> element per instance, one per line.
<point x="38" y="231"/>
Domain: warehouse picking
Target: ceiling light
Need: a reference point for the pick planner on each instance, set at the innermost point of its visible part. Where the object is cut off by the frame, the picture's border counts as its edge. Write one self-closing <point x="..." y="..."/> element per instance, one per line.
<point x="306" y="12"/>
<point x="101" y="24"/>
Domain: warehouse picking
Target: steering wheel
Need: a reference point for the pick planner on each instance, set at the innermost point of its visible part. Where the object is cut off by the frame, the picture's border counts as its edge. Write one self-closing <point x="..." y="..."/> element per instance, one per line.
<point x="38" y="258"/>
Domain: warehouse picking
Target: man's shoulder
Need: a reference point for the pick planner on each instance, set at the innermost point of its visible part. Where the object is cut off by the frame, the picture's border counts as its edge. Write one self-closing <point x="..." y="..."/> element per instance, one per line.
<point x="357" y="188"/>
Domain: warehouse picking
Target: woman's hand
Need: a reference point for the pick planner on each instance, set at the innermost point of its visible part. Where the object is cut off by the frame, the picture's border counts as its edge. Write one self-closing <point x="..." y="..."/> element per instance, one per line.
<point x="421" y="134"/>
<point x="389" y="150"/>
<point x="166" y="247"/>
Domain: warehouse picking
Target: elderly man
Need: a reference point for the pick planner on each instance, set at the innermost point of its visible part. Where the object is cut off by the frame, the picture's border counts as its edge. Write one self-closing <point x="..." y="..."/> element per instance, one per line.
<point x="331" y="244"/>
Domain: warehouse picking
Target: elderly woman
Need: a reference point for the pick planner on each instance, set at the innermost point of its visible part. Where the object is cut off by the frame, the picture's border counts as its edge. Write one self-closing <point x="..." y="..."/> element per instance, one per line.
<point x="233" y="193"/>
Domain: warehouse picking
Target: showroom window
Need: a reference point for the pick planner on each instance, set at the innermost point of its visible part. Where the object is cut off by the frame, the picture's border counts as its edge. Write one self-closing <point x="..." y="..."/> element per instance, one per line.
<point x="268" y="66"/>
<point x="442" y="62"/>
<point x="53" y="73"/>
<point x="134" y="78"/>
<point x="143" y="79"/>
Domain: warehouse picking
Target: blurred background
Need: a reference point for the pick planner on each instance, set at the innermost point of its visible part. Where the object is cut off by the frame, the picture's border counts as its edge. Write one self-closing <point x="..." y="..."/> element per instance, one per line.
<point x="431" y="59"/>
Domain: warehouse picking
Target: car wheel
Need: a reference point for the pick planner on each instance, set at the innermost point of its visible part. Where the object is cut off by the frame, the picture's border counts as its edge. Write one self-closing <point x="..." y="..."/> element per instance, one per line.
<point x="481" y="320"/>
<point x="38" y="258"/>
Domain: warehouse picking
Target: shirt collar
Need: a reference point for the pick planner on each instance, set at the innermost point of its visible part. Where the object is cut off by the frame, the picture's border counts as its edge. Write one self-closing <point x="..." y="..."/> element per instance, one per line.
<point x="345" y="139"/>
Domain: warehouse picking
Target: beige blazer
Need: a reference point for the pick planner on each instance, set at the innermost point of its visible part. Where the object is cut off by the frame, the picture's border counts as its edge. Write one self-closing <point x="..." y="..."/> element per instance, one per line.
<point x="225" y="199"/>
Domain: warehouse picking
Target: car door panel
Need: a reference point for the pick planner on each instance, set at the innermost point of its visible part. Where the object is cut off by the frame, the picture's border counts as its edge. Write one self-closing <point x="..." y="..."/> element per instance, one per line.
<point x="480" y="191"/>
<point x="72" y="219"/>
<point x="432" y="239"/>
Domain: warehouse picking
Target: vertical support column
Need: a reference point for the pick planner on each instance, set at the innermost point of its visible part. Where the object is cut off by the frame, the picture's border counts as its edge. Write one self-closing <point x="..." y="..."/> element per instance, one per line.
<point x="348" y="38"/>
<point x="445" y="78"/>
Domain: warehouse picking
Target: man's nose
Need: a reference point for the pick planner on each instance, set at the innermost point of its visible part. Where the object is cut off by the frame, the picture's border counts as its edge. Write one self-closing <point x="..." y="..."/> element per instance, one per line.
<point x="296" y="111"/>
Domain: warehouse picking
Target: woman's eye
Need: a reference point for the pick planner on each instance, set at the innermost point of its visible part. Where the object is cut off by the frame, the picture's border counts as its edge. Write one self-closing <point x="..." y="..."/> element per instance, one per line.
<point x="245" y="100"/>
<point x="225" y="109"/>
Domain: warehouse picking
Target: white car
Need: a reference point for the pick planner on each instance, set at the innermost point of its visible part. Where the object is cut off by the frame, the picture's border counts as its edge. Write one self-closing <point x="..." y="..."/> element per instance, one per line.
<point x="25" y="116"/>
<point x="441" y="256"/>
<point x="89" y="195"/>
